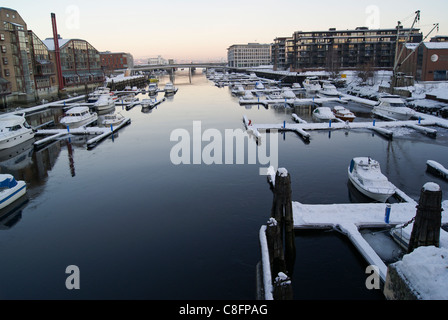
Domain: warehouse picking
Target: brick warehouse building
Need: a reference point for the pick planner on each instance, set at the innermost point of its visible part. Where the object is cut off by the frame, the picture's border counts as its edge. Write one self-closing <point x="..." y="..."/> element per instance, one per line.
<point x="112" y="61"/>
<point x="428" y="62"/>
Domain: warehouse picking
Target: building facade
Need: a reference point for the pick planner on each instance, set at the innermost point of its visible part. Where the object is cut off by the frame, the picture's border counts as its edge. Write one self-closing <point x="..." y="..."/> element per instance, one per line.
<point x="45" y="78"/>
<point x="80" y="62"/>
<point x="249" y="55"/>
<point x="15" y="53"/>
<point x="340" y="49"/>
<point x="427" y="61"/>
<point x="112" y="61"/>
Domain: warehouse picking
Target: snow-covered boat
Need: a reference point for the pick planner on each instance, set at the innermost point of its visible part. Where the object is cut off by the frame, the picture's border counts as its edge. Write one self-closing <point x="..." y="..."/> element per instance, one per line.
<point x="10" y="189"/>
<point x="365" y="174"/>
<point x="248" y="95"/>
<point x="259" y="86"/>
<point x="152" y="88"/>
<point x="312" y="85"/>
<point x="169" y="88"/>
<point x="287" y="93"/>
<point x="239" y="90"/>
<point x="393" y="107"/>
<point x="94" y="96"/>
<point x="111" y="119"/>
<point x="104" y="102"/>
<point x="329" y="90"/>
<point x="78" y="116"/>
<point x="344" y="114"/>
<point x="323" y="114"/>
<point x="14" y="130"/>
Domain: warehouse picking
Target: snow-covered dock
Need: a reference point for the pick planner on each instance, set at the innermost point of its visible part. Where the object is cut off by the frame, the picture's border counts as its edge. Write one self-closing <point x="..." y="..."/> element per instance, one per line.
<point x="349" y="219"/>
<point x="437" y="168"/>
<point x="379" y="126"/>
<point x="100" y="133"/>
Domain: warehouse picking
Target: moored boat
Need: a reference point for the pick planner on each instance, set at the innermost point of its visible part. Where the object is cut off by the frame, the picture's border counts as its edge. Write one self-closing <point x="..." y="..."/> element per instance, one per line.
<point x="111" y="119"/>
<point x="10" y="189"/>
<point x="344" y="114"/>
<point x="14" y="130"/>
<point x="391" y="106"/>
<point x="365" y="174"/>
<point x="104" y="102"/>
<point x="169" y="88"/>
<point x="312" y="85"/>
<point x="329" y="90"/>
<point x="323" y="114"/>
<point x="78" y="116"/>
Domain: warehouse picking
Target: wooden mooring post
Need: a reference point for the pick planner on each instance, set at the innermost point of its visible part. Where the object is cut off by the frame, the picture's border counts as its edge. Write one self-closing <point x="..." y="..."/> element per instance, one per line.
<point x="428" y="220"/>
<point x="281" y="249"/>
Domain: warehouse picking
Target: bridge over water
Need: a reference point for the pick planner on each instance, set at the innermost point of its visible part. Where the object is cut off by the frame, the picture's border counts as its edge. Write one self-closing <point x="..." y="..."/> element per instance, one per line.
<point x="290" y="77"/>
<point x="150" y="67"/>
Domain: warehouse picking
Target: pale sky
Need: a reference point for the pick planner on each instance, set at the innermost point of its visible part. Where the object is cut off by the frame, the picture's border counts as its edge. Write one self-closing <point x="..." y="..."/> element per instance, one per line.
<point x="204" y="29"/>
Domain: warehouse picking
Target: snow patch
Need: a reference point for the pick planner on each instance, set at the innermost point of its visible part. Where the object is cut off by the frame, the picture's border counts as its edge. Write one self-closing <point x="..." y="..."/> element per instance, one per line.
<point x="426" y="268"/>
<point x="431" y="186"/>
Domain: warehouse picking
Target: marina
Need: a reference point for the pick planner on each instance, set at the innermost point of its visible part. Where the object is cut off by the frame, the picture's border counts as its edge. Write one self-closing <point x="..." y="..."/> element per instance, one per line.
<point x="150" y="169"/>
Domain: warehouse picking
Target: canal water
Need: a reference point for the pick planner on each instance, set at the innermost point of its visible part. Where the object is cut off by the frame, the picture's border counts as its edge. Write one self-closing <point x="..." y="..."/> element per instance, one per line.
<point x="140" y="227"/>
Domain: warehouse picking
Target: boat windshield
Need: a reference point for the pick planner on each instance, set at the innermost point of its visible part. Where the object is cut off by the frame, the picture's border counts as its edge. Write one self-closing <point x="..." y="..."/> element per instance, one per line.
<point x="397" y="104"/>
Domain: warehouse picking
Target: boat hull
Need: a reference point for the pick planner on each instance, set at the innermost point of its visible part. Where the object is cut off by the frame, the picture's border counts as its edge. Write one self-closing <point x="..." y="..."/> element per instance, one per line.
<point x="377" y="196"/>
<point x="8" y="196"/>
<point x="14" y="140"/>
<point x="395" y="114"/>
<point x="79" y="123"/>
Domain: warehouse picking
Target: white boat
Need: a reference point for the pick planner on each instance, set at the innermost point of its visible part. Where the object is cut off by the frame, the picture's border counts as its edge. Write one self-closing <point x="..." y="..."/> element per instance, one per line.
<point x="93" y="97"/>
<point x="104" y="102"/>
<point x="111" y="119"/>
<point x="10" y="190"/>
<point x="344" y="114"/>
<point x="287" y="93"/>
<point x="329" y="90"/>
<point x="14" y="130"/>
<point x="169" y="88"/>
<point x="152" y="88"/>
<point x="248" y="95"/>
<point x="259" y="85"/>
<point x="78" y="116"/>
<point x="312" y="85"/>
<point x="323" y="114"/>
<point x="276" y="95"/>
<point x="391" y="106"/>
<point x="239" y="91"/>
<point x="365" y="174"/>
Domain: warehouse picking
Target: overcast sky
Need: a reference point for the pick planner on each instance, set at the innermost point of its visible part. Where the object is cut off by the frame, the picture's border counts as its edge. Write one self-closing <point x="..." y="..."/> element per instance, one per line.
<point x="204" y="29"/>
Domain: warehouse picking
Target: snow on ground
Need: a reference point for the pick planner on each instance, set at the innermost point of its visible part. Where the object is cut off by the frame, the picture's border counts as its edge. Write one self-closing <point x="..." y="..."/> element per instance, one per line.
<point x="426" y="268"/>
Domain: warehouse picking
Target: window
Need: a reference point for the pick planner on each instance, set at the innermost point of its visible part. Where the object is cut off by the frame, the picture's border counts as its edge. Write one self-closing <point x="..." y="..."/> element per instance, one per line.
<point x="7" y="72"/>
<point x="5" y="61"/>
<point x="4" y="49"/>
<point x="2" y="37"/>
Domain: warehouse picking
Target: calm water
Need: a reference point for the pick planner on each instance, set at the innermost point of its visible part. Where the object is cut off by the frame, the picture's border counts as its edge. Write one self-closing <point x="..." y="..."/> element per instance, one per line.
<point x="139" y="227"/>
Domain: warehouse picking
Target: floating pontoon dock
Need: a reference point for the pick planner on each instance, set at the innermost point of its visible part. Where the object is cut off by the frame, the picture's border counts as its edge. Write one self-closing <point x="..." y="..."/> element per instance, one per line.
<point x="379" y="126"/>
<point x="99" y="133"/>
<point x="348" y="219"/>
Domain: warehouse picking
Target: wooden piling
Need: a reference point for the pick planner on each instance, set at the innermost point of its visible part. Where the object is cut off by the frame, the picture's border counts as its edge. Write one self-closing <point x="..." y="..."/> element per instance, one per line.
<point x="428" y="220"/>
<point x="282" y="249"/>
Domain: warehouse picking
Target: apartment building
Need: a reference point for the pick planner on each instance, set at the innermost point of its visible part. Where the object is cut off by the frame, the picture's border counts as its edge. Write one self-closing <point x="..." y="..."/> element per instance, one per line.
<point x="15" y="54"/>
<point x="340" y="49"/>
<point x="249" y="55"/>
